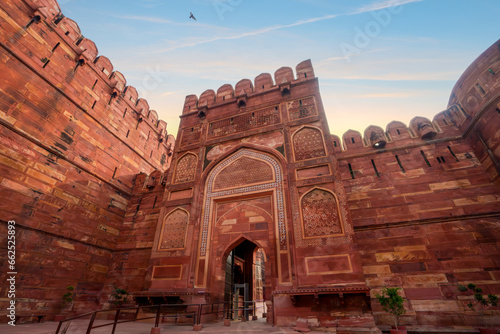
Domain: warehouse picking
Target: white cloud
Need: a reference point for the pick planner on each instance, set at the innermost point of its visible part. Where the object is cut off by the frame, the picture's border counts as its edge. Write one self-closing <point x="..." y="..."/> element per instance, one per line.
<point x="386" y="95"/>
<point x="172" y="93"/>
<point x="328" y="60"/>
<point x="364" y="9"/>
<point x="250" y="33"/>
<point x="421" y="76"/>
<point x="384" y="4"/>
<point x="153" y="19"/>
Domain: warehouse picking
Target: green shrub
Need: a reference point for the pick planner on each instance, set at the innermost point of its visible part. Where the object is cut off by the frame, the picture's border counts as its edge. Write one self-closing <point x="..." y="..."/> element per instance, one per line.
<point x="479" y="303"/>
<point x="68" y="296"/>
<point x="392" y="302"/>
<point x="119" y="296"/>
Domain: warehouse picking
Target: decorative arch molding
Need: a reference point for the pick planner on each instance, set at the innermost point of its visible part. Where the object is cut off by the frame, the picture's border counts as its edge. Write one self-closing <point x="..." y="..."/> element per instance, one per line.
<point x="185" y="168"/>
<point x="174" y="230"/>
<point x="273" y="152"/>
<point x="320" y="214"/>
<point x="308" y="143"/>
<point x="275" y="184"/>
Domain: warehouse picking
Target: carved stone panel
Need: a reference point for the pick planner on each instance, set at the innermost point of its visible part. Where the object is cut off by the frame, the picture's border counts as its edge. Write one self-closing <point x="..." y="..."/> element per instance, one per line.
<point x="244" y="122"/>
<point x="185" y="169"/>
<point x="308" y="144"/>
<point x="302" y="108"/>
<point x="173" y="234"/>
<point x="320" y="215"/>
<point x="243" y="171"/>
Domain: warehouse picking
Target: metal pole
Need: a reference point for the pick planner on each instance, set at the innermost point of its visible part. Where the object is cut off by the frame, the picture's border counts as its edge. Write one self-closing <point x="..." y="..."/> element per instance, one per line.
<point x="157" y="321"/>
<point x="136" y="313"/>
<point x="117" y="315"/>
<point x="58" y="327"/>
<point x="91" y="322"/>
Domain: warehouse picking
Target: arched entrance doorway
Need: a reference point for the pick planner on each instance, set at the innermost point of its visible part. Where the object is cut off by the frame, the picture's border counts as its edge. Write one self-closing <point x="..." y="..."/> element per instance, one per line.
<point x="243" y="197"/>
<point x="244" y="280"/>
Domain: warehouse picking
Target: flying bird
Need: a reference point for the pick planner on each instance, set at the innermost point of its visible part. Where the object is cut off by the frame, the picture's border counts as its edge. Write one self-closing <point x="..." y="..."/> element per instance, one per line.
<point x="192" y="16"/>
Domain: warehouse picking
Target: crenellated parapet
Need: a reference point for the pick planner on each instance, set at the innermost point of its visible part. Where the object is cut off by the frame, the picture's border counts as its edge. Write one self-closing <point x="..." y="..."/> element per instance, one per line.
<point x="472" y="115"/>
<point x="415" y="190"/>
<point x="420" y="131"/>
<point x="52" y="47"/>
<point x="396" y="134"/>
<point x="245" y="88"/>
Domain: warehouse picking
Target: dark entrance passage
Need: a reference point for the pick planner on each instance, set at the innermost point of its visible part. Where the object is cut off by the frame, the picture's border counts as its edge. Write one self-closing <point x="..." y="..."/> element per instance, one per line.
<point x="244" y="279"/>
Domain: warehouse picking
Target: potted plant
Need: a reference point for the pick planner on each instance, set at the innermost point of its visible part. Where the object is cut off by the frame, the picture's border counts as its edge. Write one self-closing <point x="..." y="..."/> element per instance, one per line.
<point x="480" y="303"/>
<point x="67" y="304"/>
<point x="119" y="296"/>
<point x="393" y="303"/>
<point x="68" y="297"/>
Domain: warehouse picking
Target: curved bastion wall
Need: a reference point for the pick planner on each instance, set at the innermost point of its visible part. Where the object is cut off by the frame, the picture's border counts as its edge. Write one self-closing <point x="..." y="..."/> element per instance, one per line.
<point x="85" y="173"/>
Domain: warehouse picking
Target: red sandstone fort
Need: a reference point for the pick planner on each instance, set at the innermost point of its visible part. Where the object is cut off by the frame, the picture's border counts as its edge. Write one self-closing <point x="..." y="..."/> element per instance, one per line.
<point x="253" y="197"/>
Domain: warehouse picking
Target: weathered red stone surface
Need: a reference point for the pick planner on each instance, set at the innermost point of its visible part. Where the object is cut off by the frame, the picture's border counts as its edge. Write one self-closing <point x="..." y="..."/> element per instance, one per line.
<point x="85" y="173"/>
<point x="429" y="220"/>
<point x="256" y="165"/>
<point x="73" y="137"/>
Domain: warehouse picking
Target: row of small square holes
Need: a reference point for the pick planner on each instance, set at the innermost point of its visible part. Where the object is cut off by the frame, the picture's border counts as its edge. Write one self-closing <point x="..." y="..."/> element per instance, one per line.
<point x="440" y="160"/>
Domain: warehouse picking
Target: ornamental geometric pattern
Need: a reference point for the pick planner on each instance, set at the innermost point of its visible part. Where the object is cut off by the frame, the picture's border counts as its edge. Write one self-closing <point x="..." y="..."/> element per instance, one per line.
<point x="186" y="167"/>
<point x="271" y="185"/>
<point x="320" y="215"/>
<point x="244" y="122"/>
<point x="301" y="108"/>
<point x="308" y="144"/>
<point x="174" y="230"/>
<point x="243" y="171"/>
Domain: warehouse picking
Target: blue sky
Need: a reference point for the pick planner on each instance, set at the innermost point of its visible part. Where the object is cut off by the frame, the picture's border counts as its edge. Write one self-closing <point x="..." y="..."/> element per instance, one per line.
<point x="376" y="60"/>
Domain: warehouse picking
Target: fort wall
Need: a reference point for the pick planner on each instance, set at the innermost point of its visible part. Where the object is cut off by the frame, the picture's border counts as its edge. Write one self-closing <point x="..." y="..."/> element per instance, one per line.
<point x="73" y="137"/>
<point x="425" y="200"/>
<point x="85" y="173"/>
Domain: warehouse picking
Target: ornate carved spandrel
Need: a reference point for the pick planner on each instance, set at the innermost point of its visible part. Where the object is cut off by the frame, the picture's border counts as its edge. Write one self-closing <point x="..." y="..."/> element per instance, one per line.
<point x="308" y="144"/>
<point x="186" y="168"/>
<point x="173" y="235"/>
<point x="320" y="215"/>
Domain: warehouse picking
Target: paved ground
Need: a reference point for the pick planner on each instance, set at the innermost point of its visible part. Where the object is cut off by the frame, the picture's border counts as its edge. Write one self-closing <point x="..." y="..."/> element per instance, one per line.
<point x="80" y="327"/>
<point x="250" y="327"/>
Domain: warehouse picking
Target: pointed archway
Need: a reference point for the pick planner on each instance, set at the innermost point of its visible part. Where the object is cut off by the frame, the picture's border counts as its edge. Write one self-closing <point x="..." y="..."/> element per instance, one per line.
<point x="243" y="196"/>
<point x="244" y="279"/>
